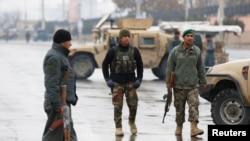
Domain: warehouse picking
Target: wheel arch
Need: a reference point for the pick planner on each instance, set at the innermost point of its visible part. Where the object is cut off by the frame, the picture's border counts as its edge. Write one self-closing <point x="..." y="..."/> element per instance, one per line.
<point x="230" y="82"/>
<point x="84" y="53"/>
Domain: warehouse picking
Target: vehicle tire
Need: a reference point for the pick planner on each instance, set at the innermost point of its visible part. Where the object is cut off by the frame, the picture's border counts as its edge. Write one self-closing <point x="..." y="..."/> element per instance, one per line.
<point x="156" y="72"/>
<point x="83" y="66"/>
<point x="163" y="68"/>
<point x="160" y="72"/>
<point x="227" y="109"/>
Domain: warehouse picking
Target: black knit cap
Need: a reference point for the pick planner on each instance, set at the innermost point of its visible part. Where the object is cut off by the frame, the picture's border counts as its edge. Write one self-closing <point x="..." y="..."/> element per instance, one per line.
<point x="124" y="32"/>
<point x="61" y="35"/>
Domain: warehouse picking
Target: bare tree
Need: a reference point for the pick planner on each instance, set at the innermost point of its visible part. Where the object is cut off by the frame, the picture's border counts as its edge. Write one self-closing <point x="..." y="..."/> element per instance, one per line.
<point x="8" y="23"/>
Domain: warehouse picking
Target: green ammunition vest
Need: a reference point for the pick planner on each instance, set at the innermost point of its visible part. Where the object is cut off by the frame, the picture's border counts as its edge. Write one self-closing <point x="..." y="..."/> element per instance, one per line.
<point x="123" y="62"/>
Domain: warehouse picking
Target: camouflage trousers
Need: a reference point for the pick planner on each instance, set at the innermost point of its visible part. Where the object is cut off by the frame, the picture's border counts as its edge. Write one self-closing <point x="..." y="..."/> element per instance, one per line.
<point x="181" y="96"/>
<point x="129" y="91"/>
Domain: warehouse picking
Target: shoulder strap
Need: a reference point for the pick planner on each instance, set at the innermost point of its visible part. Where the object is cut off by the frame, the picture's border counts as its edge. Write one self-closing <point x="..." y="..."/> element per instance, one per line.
<point x="115" y="50"/>
<point x="132" y="50"/>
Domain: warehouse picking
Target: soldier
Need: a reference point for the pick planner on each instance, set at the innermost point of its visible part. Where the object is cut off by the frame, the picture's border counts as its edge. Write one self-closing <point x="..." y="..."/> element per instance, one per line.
<point x="123" y="60"/>
<point x="175" y="41"/>
<point x="54" y="66"/>
<point x="210" y="47"/>
<point x="185" y="61"/>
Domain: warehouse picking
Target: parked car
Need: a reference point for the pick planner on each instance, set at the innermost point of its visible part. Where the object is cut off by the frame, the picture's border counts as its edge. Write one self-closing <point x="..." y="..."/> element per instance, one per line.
<point x="42" y="35"/>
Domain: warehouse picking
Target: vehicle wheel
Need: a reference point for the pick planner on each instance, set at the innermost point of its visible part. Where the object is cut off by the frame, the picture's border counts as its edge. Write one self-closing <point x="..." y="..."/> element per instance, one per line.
<point x="160" y="72"/>
<point x="156" y="72"/>
<point x="83" y="66"/>
<point x="228" y="109"/>
<point x="163" y="68"/>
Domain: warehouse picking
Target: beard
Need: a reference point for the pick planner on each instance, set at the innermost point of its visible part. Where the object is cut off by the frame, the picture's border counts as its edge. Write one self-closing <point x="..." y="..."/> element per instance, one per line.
<point x="189" y="43"/>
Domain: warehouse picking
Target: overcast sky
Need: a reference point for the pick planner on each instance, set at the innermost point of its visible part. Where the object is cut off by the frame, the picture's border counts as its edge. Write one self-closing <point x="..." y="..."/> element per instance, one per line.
<point x="33" y="8"/>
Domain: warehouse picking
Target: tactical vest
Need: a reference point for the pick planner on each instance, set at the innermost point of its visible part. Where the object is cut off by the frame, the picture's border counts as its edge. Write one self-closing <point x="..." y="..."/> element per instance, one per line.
<point x="123" y="62"/>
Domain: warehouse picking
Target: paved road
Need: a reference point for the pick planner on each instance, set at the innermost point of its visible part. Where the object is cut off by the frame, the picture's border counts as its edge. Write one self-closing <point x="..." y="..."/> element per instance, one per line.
<point x="22" y="117"/>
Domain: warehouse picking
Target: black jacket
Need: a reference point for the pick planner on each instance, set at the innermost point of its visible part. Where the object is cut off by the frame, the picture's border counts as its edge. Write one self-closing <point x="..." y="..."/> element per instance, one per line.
<point x="122" y="78"/>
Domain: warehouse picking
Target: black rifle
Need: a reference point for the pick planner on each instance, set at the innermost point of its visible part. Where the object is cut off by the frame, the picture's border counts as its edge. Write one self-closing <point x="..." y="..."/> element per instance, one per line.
<point x="168" y="95"/>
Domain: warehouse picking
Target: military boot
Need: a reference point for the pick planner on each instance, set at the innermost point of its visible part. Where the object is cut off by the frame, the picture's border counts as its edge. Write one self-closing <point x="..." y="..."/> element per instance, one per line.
<point x="195" y="130"/>
<point x="133" y="128"/>
<point x="119" y="132"/>
<point x="178" y="130"/>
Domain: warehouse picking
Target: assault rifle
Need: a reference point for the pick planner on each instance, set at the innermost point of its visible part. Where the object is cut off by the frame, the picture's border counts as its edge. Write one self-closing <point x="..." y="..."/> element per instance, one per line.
<point x="168" y="95"/>
<point x="65" y="120"/>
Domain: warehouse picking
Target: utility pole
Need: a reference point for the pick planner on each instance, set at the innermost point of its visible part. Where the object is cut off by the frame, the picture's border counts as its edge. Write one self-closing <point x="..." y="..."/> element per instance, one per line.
<point x="43" y="16"/>
<point x="186" y="10"/>
<point x="221" y="16"/>
<point x="25" y="12"/>
<point x="138" y="8"/>
<point x="79" y="22"/>
<point x="221" y="12"/>
<point x="65" y="11"/>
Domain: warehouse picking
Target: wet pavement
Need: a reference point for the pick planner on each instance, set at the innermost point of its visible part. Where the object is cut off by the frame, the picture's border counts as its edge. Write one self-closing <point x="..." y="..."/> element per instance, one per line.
<point x="21" y="109"/>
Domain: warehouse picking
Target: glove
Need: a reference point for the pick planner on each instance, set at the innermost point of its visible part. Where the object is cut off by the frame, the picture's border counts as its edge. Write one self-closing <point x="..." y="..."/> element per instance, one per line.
<point x="137" y="84"/>
<point x="110" y="83"/>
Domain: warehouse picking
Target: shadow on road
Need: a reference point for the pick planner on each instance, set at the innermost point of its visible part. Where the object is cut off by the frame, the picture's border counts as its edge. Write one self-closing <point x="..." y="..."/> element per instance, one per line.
<point x="119" y="138"/>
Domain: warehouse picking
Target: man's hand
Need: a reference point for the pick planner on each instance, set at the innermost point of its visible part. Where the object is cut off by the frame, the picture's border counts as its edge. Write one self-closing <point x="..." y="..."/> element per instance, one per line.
<point x="59" y="109"/>
<point x="110" y="83"/>
<point x="137" y="84"/>
<point x="203" y="86"/>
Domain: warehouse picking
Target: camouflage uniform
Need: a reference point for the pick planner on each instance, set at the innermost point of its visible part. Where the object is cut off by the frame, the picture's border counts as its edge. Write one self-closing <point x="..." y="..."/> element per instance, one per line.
<point x="123" y="63"/>
<point x="189" y="72"/>
<point x="185" y="62"/>
<point x="131" y="98"/>
<point x="181" y="96"/>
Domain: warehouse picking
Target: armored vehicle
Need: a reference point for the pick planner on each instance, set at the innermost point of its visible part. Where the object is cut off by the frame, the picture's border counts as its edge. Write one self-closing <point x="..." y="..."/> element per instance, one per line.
<point x="228" y="91"/>
<point x="151" y="43"/>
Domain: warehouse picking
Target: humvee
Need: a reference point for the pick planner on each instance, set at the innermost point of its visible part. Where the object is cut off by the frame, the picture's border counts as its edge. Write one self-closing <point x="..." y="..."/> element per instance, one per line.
<point x="151" y="43"/>
<point x="228" y="91"/>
